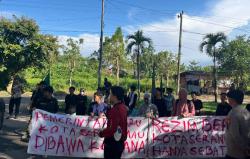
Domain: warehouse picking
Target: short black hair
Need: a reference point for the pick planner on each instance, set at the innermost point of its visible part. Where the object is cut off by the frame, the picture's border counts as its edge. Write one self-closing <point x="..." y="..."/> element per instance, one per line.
<point x="170" y="90"/>
<point x="133" y="87"/>
<point x="72" y="88"/>
<point x="193" y="92"/>
<point x="48" y="89"/>
<point x="248" y="107"/>
<point x="118" y="92"/>
<point x="99" y="94"/>
<point x="159" y="89"/>
<point x="236" y="95"/>
<point x="42" y="83"/>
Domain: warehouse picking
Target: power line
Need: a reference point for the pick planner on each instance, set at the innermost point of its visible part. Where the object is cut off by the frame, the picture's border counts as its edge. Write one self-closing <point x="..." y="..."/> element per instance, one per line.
<point x="147" y="9"/>
<point x="213" y="23"/>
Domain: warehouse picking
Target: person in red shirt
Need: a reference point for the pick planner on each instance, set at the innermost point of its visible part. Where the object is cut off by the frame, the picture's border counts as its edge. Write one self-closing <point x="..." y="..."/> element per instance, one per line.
<point x="116" y="132"/>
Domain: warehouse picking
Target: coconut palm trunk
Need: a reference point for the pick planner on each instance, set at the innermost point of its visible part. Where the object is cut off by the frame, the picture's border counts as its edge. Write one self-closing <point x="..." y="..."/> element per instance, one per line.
<point x="215" y="76"/>
<point x="138" y="71"/>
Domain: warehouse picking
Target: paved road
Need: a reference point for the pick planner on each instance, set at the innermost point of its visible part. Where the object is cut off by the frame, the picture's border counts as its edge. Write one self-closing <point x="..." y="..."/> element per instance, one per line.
<point x="11" y="147"/>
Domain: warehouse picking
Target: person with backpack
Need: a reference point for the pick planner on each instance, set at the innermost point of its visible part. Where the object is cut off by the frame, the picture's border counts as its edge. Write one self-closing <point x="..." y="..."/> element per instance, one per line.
<point x="183" y="107"/>
<point x="116" y="132"/>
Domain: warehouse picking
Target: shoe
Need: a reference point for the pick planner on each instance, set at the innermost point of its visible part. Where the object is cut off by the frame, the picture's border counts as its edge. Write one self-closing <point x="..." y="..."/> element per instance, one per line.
<point x="16" y="117"/>
<point x="25" y="138"/>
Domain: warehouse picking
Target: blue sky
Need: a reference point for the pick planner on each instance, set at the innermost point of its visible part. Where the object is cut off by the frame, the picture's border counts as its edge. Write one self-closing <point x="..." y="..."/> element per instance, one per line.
<point x="81" y="19"/>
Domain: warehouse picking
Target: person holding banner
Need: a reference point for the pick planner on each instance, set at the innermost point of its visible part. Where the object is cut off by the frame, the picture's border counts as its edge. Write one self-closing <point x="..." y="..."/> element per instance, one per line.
<point x="116" y="132"/>
<point x="238" y="130"/>
<point x="147" y="109"/>
<point x="183" y="107"/>
<point x="99" y="108"/>
<point x="47" y="102"/>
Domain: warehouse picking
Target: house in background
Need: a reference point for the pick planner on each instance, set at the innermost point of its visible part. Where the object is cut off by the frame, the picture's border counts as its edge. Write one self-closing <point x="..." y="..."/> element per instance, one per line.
<point x="201" y="82"/>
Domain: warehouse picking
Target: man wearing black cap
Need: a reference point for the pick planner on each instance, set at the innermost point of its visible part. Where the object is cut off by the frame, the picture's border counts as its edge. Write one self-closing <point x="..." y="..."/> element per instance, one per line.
<point x="237" y="134"/>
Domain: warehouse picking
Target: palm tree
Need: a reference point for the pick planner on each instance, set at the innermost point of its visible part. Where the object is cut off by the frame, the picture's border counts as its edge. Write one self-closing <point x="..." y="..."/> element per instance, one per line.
<point x="210" y="41"/>
<point x="137" y="40"/>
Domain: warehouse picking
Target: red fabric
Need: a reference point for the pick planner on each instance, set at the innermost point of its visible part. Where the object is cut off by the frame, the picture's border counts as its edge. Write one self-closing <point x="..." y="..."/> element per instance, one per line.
<point x="117" y="116"/>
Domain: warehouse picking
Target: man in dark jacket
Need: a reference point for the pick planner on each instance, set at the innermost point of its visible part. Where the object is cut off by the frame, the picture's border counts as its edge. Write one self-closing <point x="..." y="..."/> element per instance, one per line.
<point x="71" y="101"/>
<point x="223" y="108"/>
<point x="160" y="103"/>
<point x="197" y="103"/>
<point x="116" y="132"/>
<point x="47" y="102"/>
<point x="81" y="103"/>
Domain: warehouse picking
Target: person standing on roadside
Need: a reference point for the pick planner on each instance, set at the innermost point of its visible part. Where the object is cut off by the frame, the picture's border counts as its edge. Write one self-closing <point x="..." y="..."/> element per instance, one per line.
<point x="15" y="99"/>
<point x="2" y="110"/>
<point x="238" y="131"/>
<point x="116" y="132"/>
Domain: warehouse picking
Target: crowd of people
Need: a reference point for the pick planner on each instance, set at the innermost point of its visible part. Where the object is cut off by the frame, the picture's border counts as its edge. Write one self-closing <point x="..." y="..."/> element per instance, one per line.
<point x="114" y="103"/>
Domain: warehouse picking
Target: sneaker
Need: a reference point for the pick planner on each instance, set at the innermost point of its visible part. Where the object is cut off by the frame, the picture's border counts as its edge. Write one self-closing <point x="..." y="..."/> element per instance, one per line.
<point x="25" y="138"/>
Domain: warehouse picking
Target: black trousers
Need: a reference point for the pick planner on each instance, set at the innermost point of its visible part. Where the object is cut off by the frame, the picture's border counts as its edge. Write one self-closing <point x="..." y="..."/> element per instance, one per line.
<point x="1" y="119"/>
<point x="14" y="102"/>
<point x="113" y="149"/>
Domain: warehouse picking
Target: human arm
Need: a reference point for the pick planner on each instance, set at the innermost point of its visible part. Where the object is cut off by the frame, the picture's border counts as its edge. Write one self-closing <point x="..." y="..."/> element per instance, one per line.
<point x="112" y="125"/>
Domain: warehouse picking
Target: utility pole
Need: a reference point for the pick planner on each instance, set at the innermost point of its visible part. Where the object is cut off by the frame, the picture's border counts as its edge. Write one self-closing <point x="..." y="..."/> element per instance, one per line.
<point x="101" y="47"/>
<point x="179" y="53"/>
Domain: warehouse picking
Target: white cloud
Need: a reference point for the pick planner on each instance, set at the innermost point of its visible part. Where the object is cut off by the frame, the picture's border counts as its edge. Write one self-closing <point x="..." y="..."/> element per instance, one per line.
<point x="8" y="14"/>
<point x="232" y="13"/>
<point x="90" y="43"/>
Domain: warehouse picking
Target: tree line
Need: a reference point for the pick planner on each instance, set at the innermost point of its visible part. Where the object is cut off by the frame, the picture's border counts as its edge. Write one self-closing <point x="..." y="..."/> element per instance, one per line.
<point x="25" y="52"/>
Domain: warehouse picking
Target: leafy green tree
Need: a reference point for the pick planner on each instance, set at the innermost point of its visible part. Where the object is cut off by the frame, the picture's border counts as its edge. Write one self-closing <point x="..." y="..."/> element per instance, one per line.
<point x="193" y="66"/>
<point x="166" y="65"/>
<point x="114" y="52"/>
<point x="72" y="53"/>
<point x="22" y="46"/>
<point x="138" y="41"/>
<point x="234" y="59"/>
<point x="209" y="46"/>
